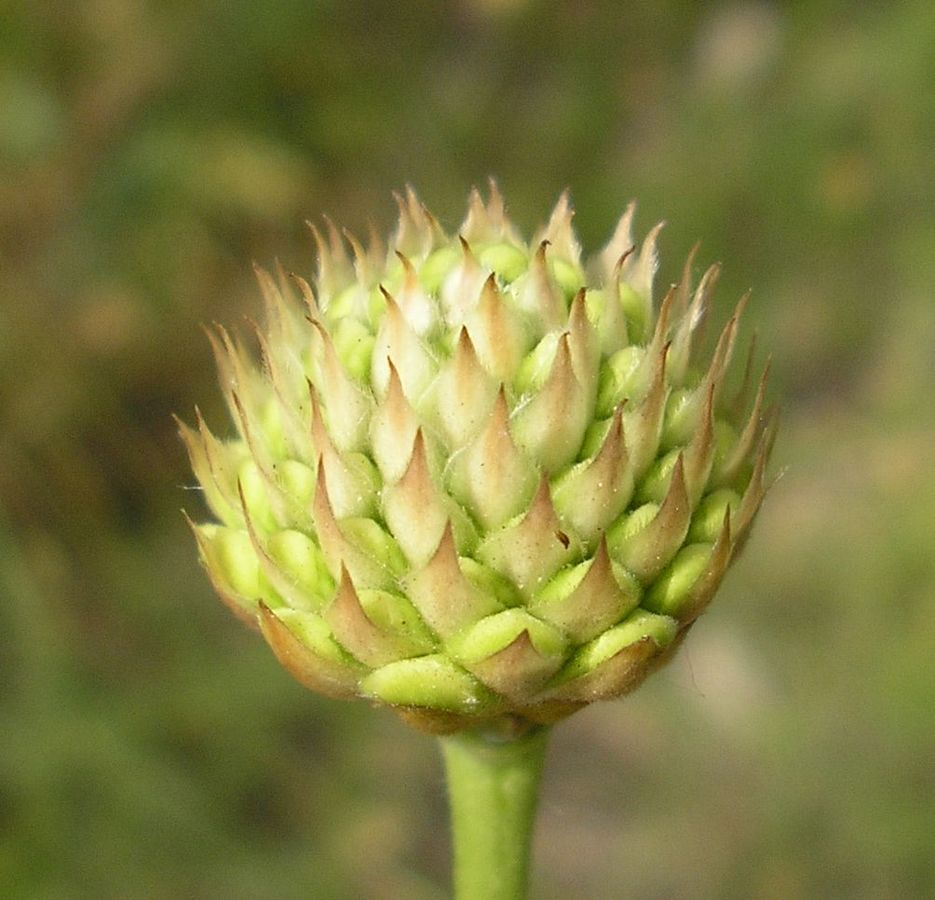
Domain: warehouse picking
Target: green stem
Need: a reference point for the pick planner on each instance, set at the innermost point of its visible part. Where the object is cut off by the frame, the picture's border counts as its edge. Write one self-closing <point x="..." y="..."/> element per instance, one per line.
<point x="493" y="787"/>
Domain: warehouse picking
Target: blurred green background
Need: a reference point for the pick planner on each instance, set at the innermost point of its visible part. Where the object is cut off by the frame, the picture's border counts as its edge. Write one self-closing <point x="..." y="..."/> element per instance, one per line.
<point x="149" y="746"/>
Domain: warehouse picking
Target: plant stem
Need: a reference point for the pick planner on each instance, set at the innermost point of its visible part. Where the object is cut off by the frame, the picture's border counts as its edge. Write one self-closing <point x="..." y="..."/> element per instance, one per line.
<point x="493" y="787"/>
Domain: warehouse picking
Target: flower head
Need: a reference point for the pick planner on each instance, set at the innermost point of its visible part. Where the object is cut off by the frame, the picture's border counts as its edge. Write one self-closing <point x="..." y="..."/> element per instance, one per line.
<point x="475" y="479"/>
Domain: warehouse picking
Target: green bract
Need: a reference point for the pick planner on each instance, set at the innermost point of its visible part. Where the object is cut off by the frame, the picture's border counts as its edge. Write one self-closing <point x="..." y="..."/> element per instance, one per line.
<point x="475" y="479"/>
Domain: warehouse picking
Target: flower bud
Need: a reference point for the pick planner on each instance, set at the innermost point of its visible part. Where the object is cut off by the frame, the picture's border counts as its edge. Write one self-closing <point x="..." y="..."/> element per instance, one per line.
<point x="476" y="479"/>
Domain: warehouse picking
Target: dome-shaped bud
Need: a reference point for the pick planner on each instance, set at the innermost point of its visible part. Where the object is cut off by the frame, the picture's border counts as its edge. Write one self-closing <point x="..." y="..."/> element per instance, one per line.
<point x="475" y="479"/>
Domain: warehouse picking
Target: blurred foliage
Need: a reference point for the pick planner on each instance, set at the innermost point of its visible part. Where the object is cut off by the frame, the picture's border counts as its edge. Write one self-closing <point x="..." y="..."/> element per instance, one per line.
<point x="149" y="746"/>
